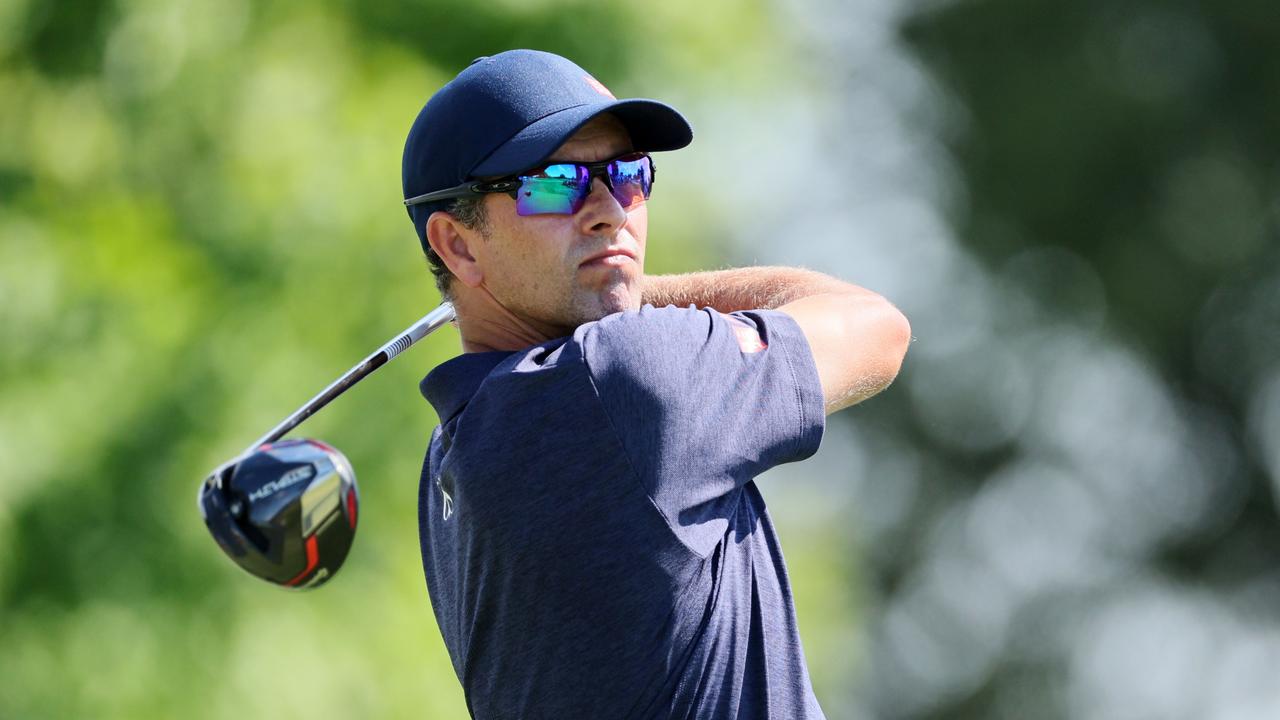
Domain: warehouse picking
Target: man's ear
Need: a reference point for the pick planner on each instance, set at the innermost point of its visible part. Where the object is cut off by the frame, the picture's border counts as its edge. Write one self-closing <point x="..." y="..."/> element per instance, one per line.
<point x="453" y="243"/>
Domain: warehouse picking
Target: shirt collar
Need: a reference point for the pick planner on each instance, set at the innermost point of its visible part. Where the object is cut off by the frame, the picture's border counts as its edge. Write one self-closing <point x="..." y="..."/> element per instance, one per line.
<point x="450" y="386"/>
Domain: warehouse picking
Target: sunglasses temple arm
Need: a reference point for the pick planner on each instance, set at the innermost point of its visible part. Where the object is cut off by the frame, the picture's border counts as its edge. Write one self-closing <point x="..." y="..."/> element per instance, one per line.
<point x="429" y="197"/>
<point x="450" y="194"/>
<point x="505" y="185"/>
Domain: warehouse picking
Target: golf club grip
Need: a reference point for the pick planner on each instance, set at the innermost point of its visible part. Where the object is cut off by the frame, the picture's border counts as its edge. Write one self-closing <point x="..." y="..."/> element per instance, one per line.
<point x="429" y="323"/>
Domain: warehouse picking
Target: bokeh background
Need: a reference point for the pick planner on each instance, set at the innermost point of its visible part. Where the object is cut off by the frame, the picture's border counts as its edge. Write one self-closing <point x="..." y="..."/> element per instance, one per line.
<point x="1064" y="508"/>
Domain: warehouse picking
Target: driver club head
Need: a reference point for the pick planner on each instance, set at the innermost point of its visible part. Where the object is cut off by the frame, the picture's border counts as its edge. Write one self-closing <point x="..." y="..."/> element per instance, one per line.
<point x="285" y="512"/>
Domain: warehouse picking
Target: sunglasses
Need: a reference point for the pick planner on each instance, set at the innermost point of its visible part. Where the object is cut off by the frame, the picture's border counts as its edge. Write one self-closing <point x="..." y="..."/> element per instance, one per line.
<point x="562" y="188"/>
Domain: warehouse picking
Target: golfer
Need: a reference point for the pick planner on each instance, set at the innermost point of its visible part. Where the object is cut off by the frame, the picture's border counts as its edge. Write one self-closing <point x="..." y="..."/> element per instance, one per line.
<point x="594" y="543"/>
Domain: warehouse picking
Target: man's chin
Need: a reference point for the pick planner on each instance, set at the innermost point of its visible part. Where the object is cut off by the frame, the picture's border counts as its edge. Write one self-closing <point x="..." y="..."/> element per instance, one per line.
<point x="608" y="303"/>
<point x="619" y="300"/>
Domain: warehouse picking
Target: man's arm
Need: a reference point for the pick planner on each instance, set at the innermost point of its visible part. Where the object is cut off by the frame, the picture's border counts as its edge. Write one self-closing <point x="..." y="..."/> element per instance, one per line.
<point x="857" y="338"/>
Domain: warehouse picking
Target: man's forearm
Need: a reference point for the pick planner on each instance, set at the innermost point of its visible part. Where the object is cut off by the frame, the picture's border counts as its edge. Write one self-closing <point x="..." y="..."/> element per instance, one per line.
<point x="857" y="338"/>
<point x="749" y="288"/>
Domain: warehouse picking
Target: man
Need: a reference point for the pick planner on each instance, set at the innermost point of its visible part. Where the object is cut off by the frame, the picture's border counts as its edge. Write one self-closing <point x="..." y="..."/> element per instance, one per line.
<point x="593" y="540"/>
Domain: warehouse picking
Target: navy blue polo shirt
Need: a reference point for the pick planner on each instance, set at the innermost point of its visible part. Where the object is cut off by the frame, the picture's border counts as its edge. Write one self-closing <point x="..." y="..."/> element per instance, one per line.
<point x="593" y="540"/>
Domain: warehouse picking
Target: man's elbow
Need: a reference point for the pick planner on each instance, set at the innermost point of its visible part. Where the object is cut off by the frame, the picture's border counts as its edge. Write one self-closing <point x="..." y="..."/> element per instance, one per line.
<point x="887" y="333"/>
<point x="897" y="338"/>
<point x="858" y="340"/>
<point x="883" y="334"/>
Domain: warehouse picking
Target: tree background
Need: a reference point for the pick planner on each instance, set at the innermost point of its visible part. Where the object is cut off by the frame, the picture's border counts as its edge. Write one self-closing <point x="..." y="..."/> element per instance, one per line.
<point x="1065" y="507"/>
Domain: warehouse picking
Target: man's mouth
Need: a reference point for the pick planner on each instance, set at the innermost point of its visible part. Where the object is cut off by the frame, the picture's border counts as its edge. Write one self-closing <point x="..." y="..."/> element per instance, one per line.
<point x="609" y="257"/>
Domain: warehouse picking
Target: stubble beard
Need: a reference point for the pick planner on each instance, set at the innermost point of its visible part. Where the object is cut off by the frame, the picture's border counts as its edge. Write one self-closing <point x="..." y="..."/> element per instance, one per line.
<point x="616" y="296"/>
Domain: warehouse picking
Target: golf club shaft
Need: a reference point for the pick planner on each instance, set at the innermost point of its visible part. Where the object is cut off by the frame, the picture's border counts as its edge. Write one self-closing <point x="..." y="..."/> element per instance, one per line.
<point x="415" y="332"/>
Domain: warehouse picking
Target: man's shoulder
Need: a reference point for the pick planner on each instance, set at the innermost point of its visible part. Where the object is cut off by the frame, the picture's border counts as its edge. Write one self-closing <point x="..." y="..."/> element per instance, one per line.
<point x="636" y="340"/>
<point x="668" y="323"/>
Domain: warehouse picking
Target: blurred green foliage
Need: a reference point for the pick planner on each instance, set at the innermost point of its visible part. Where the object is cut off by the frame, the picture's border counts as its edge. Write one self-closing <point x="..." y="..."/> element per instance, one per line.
<point x="200" y="226"/>
<point x="1141" y="136"/>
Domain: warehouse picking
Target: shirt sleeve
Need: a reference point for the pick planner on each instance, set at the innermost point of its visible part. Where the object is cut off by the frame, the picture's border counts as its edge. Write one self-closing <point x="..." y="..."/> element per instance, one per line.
<point x="703" y="402"/>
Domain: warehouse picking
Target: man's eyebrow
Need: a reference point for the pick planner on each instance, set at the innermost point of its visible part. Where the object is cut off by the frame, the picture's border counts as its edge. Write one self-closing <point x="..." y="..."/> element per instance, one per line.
<point x="554" y="160"/>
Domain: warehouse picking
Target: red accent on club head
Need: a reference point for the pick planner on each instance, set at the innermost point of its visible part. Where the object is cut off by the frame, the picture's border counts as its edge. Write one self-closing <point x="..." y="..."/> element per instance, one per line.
<point x="313" y="559"/>
<point x="322" y="446"/>
<point x="351" y="507"/>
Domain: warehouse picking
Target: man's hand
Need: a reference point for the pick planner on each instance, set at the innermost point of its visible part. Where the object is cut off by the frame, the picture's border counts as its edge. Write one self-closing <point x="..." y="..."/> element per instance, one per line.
<point x="858" y="339"/>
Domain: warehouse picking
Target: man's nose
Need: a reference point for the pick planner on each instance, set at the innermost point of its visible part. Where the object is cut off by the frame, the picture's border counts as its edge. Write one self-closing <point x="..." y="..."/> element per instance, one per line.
<point x="601" y="213"/>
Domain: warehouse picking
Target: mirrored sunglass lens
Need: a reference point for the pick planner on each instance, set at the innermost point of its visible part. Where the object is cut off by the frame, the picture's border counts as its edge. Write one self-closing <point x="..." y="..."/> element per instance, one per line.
<point x="557" y="189"/>
<point x="632" y="180"/>
<point x="562" y="170"/>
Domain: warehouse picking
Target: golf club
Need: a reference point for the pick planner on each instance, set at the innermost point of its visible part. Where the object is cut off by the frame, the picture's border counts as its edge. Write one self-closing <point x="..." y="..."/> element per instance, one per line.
<point x="286" y="511"/>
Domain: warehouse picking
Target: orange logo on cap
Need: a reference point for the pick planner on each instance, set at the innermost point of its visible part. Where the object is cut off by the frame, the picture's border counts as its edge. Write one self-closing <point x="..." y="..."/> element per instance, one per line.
<point x="599" y="87"/>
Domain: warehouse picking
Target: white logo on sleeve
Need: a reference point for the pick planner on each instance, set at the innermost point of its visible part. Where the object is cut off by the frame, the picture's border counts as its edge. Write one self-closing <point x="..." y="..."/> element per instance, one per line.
<point x="446" y="499"/>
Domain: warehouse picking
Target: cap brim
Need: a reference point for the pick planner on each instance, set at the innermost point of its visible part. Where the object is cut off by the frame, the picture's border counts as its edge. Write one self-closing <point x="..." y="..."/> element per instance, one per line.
<point x="654" y="126"/>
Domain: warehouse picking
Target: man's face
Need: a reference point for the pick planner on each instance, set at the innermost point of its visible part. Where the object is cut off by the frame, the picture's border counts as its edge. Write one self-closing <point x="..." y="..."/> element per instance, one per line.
<point x="540" y="267"/>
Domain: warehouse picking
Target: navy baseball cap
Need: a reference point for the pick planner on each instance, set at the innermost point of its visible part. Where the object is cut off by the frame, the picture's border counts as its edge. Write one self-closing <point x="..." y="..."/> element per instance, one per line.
<point x="507" y="113"/>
